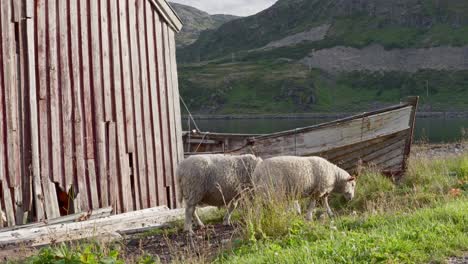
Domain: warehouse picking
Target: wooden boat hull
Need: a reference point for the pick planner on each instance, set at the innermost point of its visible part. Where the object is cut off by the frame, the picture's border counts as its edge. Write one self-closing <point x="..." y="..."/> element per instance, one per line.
<point x="380" y="138"/>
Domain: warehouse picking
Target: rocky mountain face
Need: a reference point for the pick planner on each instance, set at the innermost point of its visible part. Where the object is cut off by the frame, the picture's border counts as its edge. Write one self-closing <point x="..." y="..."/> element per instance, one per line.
<point x="196" y="21"/>
<point x="331" y="55"/>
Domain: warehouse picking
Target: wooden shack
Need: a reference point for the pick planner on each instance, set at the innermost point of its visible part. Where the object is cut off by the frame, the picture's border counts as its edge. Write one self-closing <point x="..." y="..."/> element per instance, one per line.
<point x="89" y="107"/>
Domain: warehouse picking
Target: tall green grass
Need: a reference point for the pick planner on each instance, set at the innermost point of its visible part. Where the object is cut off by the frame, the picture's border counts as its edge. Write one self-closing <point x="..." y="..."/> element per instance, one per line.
<point x="419" y="219"/>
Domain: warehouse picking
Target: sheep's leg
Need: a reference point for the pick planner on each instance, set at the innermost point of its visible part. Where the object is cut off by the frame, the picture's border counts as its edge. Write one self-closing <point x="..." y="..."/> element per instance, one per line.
<point x="327" y="206"/>
<point x="227" y="217"/>
<point x="199" y="222"/>
<point x="297" y="207"/>
<point x="310" y="210"/>
<point x="189" y="211"/>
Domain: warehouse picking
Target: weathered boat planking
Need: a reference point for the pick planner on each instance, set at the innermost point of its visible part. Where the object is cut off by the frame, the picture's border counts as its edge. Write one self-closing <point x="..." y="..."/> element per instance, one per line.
<point x="380" y="138"/>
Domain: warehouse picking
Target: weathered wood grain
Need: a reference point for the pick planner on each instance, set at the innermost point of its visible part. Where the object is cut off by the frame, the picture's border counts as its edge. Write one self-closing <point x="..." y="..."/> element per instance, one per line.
<point x="178" y="148"/>
<point x="155" y="87"/>
<point x="106" y="61"/>
<point x="162" y="189"/>
<point x="93" y="188"/>
<point x="126" y="69"/>
<point x="34" y="126"/>
<point x="66" y="94"/>
<point x="125" y="187"/>
<point x="147" y="120"/>
<point x="45" y="143"/>
<point x="140" y="155"/>
<point x="54" y="94"/>
<point x="165" y="137"/>
<point x="97" y="93"/>
<point x="81" y="187"/>
<point x="86" y="78"/>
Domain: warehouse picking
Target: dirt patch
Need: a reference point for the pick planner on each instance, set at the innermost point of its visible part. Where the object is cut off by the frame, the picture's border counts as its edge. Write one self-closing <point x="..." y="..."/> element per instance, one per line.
<point x="440" y="150"/>
<point x="204" y="246"/>
<point x="460" y="260"/>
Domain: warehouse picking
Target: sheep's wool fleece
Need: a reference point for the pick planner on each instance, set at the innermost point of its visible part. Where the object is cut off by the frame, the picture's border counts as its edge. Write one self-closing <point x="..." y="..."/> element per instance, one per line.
<point x="299" y="175"/>
<point x="214" y="179"/>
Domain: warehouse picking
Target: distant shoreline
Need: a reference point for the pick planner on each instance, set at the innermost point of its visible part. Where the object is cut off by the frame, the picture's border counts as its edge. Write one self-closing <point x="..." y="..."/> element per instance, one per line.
<point x="445" y="115"/>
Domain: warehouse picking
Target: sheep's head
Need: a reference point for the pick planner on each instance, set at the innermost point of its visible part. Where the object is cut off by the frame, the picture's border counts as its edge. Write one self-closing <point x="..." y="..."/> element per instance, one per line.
<point x="346" y="184"/>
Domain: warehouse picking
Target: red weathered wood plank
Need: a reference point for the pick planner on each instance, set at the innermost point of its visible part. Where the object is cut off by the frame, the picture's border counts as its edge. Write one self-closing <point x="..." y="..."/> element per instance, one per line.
<point x="91" y="168"/>
<point x="163" y="115"/>
<point x="66" y="94"/>
<point x="140" y="156"/>
<point x="24" y="134"/>
<point x="34" y="126"/>
<point x="50" y="197"/>
<point x="176" y="96"/>
<point x="54" y="93"/>
<point x="7" y="199"/>
<point x="124" y="175"/>
<point x="170" y="111"/>
<point x="126" y="69"/>
<point x="176" y="109"/>
<point x="127" y="92"/>
<point x="153" y="103"/>
<point x="82" y="202"/>
<point x="97" y="93"/>
<point x="86" y="79"/>
<point x="146" y="102"/>
<point x="113" y="164"/>
<point x="105" y="61"/>
<point x="17" y="10"/>
<point x="161" y="188"/>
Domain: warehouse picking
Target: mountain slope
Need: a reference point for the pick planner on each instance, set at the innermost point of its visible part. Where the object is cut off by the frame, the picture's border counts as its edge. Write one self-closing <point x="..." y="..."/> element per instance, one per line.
<point x="415" y="20"/>
<point x="331" y="55"/>
<point x="195" y="21"/>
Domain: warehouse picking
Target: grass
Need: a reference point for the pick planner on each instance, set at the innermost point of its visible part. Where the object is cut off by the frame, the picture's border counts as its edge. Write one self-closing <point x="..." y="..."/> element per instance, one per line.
<point x="420" y="219"/>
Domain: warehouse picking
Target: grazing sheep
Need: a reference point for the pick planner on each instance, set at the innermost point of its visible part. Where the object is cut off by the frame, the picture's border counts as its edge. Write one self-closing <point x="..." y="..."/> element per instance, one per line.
<point x="314" y="177"/>
<point x="213" y="180"/>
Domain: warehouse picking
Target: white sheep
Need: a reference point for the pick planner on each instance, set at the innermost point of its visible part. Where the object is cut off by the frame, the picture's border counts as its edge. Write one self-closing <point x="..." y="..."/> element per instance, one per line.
<point x="312" y="177"/>
<point x="215" y="180"/>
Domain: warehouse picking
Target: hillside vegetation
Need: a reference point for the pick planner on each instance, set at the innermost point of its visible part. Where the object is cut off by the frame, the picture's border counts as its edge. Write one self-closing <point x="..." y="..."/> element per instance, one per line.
<point x="196" y="21"/>
<point x="235" y="68"/>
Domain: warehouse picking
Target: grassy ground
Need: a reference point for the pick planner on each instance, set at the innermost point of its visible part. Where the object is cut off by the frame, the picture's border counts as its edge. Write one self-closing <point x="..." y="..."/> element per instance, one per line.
<point x="421" y="219"/>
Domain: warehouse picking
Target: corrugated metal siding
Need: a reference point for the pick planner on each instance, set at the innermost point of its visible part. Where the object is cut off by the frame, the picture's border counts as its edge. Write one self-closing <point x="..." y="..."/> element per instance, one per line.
<point x="89" y="106"/>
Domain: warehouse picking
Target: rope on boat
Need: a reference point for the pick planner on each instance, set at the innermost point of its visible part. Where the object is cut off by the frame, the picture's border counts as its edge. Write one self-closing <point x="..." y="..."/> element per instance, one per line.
<point x="190" y="114"/>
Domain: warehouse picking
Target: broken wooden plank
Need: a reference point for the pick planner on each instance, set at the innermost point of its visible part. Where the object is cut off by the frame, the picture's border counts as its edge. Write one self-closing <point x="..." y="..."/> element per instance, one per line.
<point x="79" y="217"/>
<point x="33" y="237"/>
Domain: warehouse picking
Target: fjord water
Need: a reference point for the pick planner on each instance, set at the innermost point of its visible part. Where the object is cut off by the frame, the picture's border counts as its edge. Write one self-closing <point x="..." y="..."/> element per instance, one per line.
<point x="433" y="130"/>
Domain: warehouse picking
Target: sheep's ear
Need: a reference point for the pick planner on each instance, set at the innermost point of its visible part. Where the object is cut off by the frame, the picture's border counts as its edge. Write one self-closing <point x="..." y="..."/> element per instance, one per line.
<point x="352" y="179"/>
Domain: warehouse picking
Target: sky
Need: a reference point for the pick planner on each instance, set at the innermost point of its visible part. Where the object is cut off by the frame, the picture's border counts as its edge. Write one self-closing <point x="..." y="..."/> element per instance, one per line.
<point x="232" y="7"/>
